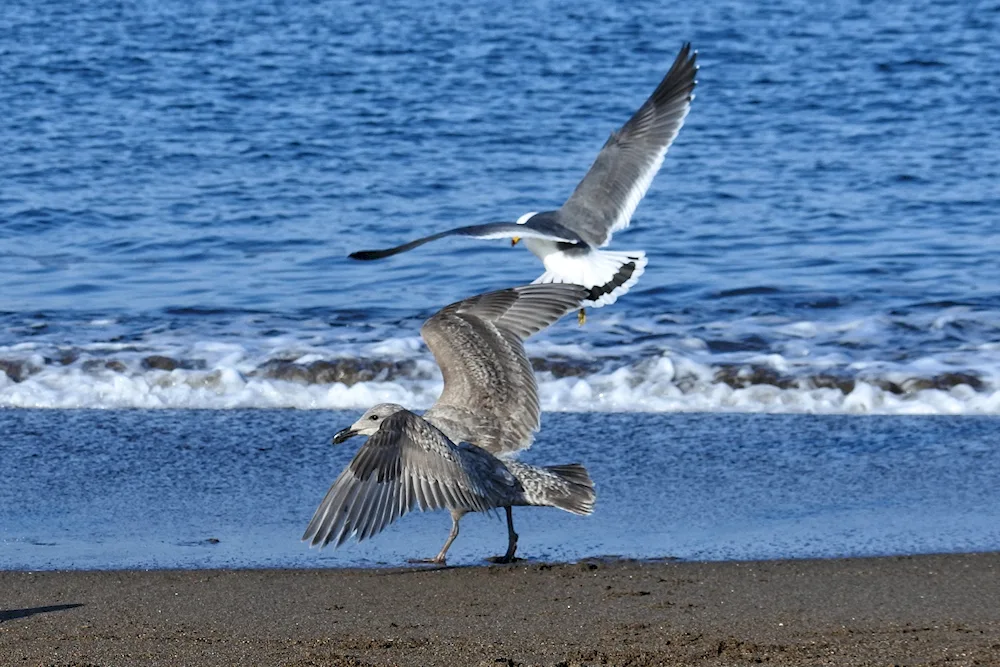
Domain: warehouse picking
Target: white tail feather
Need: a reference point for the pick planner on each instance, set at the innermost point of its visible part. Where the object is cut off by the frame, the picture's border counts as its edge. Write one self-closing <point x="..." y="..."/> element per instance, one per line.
<point x="595" y="269"/>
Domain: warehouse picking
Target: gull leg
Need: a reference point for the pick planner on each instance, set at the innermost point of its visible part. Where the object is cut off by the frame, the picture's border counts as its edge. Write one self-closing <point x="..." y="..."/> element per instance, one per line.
<point x="511" y="540"/>
<point x="511" y="536"/>
<point x="456" y="516"/>
<point x="581" y="317"/>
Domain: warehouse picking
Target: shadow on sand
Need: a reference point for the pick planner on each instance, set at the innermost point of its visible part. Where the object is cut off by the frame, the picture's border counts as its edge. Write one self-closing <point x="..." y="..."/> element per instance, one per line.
<point x="11" y="614"/>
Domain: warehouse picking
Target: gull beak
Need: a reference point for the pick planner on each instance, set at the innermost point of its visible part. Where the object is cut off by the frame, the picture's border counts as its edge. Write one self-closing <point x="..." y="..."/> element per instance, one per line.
<point x="514" y="240"/>
<point x="346" y="434"/>
<point x="581" y="317"/>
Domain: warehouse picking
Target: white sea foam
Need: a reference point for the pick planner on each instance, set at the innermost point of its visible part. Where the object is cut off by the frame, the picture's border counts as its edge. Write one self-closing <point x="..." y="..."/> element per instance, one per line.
<point x="688" y="386"/>
<point x="850" y="365"/>
<point x="227" y="376"/>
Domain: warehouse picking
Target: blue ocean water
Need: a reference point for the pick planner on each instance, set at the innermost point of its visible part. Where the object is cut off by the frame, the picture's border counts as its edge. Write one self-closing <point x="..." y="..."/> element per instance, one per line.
<point x="181" y="183"/>
<point x="90" y="489"/>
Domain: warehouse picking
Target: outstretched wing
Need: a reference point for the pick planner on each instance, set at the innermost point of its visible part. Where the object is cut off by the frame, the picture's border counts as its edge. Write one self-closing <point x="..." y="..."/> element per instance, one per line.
<point x="490" y="397"/>
<point x="490" y="230"/>
<point x="406" y="464"/>
<point x="606" y="198"/>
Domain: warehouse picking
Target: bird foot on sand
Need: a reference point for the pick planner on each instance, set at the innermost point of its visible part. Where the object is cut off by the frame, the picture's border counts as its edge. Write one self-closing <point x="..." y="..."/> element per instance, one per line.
<point x="503" y="560"/>
<point x="427" y="561"/>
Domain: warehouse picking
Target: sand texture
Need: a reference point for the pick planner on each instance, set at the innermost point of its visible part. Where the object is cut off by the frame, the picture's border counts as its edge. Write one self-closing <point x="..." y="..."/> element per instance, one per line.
<point x="922" y="610"/>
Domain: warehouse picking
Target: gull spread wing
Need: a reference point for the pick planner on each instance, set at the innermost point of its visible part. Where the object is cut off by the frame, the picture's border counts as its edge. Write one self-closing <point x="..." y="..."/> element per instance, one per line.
<point x="606" y="198"/>
<point x="407" y="464"/>
<point x="490" y="397"/>
<point x="490" y="230"/>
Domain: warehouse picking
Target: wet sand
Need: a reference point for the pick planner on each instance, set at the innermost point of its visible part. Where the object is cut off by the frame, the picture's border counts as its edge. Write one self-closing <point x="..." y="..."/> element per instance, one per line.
<point x="921" y="610"/>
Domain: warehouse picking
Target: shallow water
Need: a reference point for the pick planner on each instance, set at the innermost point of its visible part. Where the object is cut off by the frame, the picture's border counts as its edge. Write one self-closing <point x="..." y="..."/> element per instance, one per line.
<point x="185" y="180"/>
<point x="236" y="488"/>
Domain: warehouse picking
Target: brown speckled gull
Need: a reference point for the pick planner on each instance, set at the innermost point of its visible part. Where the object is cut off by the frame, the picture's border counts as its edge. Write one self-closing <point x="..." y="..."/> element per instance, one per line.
<point x="458" y="455"/>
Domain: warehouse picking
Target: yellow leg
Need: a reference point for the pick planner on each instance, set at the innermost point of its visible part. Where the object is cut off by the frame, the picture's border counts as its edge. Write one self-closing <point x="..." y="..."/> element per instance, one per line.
<point x="581" y="317"/>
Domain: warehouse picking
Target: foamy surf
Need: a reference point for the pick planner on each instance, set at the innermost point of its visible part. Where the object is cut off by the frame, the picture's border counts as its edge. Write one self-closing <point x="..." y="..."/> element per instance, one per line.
<point x="571" y="378"/>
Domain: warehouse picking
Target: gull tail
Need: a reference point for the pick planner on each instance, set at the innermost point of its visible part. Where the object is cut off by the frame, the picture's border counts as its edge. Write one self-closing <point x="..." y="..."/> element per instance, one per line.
<point x="575" y="493"/>
<point x="567" y="487"/>
<point x="607" y="274"/>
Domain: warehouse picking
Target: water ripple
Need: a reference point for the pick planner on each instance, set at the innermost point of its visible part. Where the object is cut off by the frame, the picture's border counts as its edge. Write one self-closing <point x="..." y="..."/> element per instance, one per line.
<point x="839" y="167"/>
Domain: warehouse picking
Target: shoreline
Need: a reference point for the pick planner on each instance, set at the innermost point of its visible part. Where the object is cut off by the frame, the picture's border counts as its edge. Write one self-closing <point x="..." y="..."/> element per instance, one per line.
<point x="908" y="610"/>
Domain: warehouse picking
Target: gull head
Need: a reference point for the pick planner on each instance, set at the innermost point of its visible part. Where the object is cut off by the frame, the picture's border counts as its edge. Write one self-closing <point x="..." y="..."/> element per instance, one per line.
<point x="368" y="423"/>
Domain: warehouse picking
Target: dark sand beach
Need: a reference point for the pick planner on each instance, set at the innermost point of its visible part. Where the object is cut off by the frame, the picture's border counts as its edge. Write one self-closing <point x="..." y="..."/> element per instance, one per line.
<point x="914" y="610"/>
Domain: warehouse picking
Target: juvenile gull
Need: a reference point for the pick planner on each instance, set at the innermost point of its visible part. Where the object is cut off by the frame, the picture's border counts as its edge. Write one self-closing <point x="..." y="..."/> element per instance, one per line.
<point x="567" y="239"/>
<point x="459" y="454"/>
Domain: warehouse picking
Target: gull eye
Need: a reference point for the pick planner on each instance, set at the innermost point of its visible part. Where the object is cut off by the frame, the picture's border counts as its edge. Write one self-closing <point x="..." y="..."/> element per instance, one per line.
<point x="374" y="418"/>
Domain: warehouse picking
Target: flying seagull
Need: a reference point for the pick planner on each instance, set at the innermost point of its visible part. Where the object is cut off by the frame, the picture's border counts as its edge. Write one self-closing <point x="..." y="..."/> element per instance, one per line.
<point x="567" y="240"/>
<point x="459" y="455"/>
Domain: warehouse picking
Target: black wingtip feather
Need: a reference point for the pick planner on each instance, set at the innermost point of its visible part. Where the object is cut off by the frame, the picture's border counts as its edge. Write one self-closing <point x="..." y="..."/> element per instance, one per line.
<point x="366" y="255"/>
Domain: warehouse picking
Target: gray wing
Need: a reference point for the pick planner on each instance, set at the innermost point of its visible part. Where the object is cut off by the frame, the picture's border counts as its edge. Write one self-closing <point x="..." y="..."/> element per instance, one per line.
<point x="490" y="230"/>
<point x="606" y="198"/>
<point x="406" y="464"/>
<point x="490" y="397"/>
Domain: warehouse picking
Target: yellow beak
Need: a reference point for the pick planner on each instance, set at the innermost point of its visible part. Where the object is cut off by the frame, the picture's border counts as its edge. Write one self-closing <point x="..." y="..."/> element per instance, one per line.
<point x="514" y="240"/>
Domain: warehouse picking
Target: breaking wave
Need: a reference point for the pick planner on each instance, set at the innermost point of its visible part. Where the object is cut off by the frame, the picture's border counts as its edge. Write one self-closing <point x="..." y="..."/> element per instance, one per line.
<point x="211" y="375"/>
